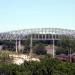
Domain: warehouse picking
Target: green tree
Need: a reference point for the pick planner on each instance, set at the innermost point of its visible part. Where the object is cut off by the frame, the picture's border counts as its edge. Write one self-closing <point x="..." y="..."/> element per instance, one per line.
<point x="66" y="45"/>
<point x="39" y="49"/>
<point x="27" y="46"/>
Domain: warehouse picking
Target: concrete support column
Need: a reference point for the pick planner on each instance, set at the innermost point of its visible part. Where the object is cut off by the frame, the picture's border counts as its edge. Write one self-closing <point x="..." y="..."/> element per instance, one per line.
<point x="53" y="48"/>
<point x="16" y="46"/>
<point x="19" y="45"/>
<point x="42" y="33"/>
<point x="45" y="35"/>
<point x="31" y="46"/>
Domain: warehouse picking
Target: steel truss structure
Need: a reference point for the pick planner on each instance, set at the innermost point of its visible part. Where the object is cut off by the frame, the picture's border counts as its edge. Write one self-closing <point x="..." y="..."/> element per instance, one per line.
<point x="38" y="34"/>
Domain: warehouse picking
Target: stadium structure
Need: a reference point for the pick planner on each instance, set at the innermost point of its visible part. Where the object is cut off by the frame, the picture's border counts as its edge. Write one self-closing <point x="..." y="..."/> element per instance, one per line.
<point x="37" y="34"/>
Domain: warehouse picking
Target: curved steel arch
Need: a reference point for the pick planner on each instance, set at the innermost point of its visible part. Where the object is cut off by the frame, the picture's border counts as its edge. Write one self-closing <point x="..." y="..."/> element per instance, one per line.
<point x="38" y="34"/>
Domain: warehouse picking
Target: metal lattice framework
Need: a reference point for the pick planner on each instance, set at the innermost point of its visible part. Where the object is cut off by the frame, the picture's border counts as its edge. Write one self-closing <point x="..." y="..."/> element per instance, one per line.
<point x="38" y="34"/>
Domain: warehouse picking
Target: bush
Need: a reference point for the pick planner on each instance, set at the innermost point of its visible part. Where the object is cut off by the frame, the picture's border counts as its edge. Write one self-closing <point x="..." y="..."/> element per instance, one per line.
<point x="39" y="49"/>
<point x="44" y="67"/>
<point x="4" y="56"/>
<point x="61" y="50"/>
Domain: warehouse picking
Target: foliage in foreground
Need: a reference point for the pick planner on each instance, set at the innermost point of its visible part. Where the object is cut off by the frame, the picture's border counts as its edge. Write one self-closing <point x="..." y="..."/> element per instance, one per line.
<point x="45" y="67"/>
<point x="4" y="56"/>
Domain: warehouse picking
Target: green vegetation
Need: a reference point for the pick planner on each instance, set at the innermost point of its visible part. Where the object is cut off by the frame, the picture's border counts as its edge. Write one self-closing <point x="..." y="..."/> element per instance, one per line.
<point x="45" y="67"/>
<point x="66" y="46"/>
<point x="4" y="56"/>
<point x="39" y="49"/>
<point x="8" y="45"/>
<point x="26" y="43"/>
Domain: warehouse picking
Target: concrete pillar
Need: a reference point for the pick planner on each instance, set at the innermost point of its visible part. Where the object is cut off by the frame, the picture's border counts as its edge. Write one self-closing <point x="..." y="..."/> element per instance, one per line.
<point x="31" y="46"/>
<point x="19" y="45"/>
<point x="16" y="46"/>
<point x="53" y="48"/>
<point x="45" y="35"/>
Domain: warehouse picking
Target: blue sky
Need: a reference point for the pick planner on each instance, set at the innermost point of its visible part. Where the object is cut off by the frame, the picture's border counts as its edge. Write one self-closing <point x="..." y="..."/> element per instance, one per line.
<point x="25" y="14"/>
